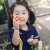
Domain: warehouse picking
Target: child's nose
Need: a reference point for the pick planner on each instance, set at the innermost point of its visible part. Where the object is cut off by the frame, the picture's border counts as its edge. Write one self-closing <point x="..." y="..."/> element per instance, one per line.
<point x="21" y="16"/>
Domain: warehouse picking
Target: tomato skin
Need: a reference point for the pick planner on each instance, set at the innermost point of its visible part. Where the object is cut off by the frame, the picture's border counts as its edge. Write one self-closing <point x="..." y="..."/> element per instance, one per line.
<point x="17" y="17"/>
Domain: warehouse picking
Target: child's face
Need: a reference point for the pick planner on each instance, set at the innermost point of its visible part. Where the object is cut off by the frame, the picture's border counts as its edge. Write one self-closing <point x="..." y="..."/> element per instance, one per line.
<point x="22" y="12"/>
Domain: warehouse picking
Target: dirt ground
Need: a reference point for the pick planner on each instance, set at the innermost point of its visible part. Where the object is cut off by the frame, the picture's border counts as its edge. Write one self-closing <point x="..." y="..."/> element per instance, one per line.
<point x="43" y="27"/>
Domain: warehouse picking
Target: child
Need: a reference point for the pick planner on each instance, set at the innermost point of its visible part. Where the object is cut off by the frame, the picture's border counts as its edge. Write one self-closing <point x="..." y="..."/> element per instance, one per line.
<point x="22" y="34"/>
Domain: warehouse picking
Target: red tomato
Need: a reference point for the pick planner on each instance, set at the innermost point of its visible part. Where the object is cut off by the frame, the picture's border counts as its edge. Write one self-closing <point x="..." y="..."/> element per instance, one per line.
<point x="17" y="17"/>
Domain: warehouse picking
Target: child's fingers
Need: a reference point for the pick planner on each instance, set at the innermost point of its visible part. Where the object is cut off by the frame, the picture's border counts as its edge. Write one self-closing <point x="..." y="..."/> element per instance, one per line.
<point x="18" y="22"/>
<point x="14" y="20"/>
<point x="30" y="40"/>
<point x="33" y="41"/>
<point x="27" y="40"/>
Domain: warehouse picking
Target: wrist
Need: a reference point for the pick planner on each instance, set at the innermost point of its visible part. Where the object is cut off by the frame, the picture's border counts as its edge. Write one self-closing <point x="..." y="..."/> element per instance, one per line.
<point x="16" y="28"/>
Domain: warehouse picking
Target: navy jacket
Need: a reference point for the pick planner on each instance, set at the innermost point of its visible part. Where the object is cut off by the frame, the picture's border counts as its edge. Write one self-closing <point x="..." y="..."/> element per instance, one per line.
<point x="24" y="35"/>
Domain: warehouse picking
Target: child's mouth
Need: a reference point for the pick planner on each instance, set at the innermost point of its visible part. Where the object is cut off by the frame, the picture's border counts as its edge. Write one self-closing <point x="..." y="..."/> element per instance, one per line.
<point x="22" y="20"/>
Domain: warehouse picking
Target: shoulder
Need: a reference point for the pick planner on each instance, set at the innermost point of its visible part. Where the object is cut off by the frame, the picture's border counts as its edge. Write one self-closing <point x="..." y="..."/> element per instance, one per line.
<point x="11" y="30"/>
<point x="32" y="27"/>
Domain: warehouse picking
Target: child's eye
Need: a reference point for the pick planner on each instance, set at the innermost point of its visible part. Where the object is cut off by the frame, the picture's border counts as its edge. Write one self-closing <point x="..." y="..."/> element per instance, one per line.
<point x="24" y="13"/>
<point x="17" y="14"/>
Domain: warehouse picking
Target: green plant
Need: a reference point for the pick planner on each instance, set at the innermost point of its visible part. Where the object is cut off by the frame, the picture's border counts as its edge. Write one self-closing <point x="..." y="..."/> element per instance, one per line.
<point x="5" y="44"/>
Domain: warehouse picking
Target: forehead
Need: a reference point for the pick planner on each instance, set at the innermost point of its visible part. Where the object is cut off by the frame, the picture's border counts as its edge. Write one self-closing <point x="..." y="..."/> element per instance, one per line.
<point x="19" y="8"/>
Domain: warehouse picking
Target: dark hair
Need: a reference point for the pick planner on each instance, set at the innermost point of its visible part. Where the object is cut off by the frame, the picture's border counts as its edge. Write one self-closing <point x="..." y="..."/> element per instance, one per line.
<point x="23" y="3"/>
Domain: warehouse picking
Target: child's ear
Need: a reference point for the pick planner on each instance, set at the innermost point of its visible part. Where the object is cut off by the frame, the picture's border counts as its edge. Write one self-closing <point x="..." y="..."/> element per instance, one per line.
<point x="11" y="16"/>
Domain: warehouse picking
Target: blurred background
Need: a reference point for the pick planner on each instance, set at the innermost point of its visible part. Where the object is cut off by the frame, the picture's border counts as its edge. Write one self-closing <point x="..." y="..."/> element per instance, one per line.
<point x="41" y="9"/>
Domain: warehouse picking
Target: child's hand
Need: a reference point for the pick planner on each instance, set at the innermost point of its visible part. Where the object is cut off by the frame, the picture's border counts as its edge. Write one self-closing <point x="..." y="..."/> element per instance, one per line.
<point x="16" y="23"/>
<point x="32" y="41"/>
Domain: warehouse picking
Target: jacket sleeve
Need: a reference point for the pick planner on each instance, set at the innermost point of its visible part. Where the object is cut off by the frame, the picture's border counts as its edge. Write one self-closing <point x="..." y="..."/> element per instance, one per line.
<point x="11" y="35"/>
<point x="36" y="35"/>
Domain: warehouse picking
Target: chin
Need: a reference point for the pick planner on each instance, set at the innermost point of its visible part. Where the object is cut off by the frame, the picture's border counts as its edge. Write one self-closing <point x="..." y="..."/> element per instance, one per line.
<point x="23" y="23"/>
